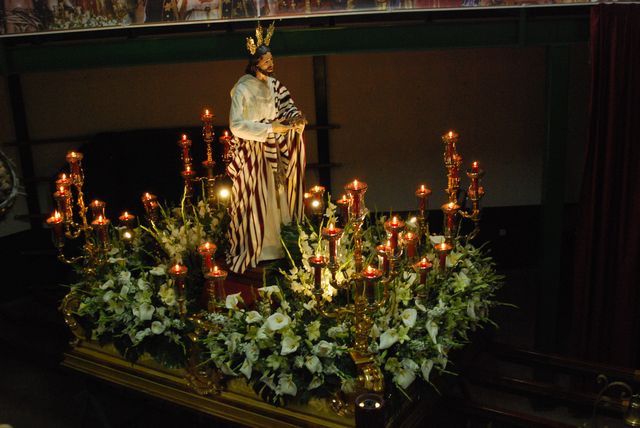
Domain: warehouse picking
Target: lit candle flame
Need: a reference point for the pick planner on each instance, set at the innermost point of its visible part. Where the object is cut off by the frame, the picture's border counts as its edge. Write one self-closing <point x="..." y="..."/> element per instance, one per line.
<point x="394" y="221"/>
<point x="450" y="134"/>
<point x="56" y="215"/>
<point x="422" y="188"/>
<point x="184" y="137"/>
<point x="215" y="269"/>
<point x="331" y="227"/>
<point x="206" y="112"/>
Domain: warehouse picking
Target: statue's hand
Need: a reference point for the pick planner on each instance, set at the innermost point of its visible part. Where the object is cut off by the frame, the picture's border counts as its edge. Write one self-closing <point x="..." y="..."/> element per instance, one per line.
<point x="279" y="127"/>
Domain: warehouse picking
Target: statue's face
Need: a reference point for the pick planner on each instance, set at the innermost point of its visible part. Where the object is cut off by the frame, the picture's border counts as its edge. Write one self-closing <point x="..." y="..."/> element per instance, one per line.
<point x="265" y="64"/>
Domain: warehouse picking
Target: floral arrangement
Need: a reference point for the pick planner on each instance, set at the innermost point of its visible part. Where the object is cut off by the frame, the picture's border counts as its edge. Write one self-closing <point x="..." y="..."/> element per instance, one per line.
<point x="282" y="344"/>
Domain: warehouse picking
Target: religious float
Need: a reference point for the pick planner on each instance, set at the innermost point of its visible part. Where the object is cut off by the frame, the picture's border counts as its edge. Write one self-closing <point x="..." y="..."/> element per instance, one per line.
<point x="359" y="317"/>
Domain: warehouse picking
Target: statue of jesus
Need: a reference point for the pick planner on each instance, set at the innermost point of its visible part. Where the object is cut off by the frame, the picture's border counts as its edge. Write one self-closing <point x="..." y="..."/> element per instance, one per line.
<point x="268" y="160"/>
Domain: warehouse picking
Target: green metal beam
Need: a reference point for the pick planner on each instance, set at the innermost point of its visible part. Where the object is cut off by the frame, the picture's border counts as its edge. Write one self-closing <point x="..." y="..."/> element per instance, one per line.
<point x="296" y="42"/>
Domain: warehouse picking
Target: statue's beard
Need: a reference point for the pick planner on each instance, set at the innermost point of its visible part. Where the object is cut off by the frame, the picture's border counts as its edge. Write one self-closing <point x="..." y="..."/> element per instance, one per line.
<point x="265" y="72"/>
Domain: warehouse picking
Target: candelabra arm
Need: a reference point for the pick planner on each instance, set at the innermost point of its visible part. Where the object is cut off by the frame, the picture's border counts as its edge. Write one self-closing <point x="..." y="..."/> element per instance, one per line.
<point x="201" y="377"/>
<point x="69" y="306"/>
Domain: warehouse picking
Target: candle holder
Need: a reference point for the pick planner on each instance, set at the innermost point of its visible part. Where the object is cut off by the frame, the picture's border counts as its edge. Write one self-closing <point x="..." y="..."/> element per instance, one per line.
<point x="101" y="228"/>
<point x="423" y="267"/>
<point x="422" y="194"/>
<point x="475" y="192"/>
<point x="356" y="190"/>
<point x="185" y="144"/>
<point x="71" y="223"/>
<point x="332" y="235"/>
<point x="452" y="161"/>
<point x="226" y="140"/>
<point x="409" y="241"/>
<point x="318" y="262"/>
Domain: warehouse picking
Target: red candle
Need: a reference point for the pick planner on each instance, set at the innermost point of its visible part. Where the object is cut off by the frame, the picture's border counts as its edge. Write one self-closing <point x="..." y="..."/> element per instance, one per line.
<point x="318" y="262"/>
<point x="423" y="267"/>
<point x="423" y="194"/>
<point x="225" y="140"/>
<point x="332" y="234"/>
<point x="100" y="226"/>
<point x="217" y="276"/>
<point x="150" y="203"/>
<point x="63" y="182"/>
<point x="74" y="159"/>
<point x="356" y="190"/>
<point x="97" y="208"/>
<point x="393" y="227"/>
<point x="127" y="219"/>
<point x="343" y="205"/>
<point x="443" y="249"/>
<point x="383" y="257"/>
<point x="371" y="276"/>
<point x="55" y="221"/>
<point x="475" y="167"/>
<point x="207" y="250"/>
<point x="410" y="240"/>
<point x="179" y="272"/>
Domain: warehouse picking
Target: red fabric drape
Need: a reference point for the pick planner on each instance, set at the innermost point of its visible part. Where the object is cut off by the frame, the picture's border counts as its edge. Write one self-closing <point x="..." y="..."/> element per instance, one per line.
<point x="606" y="285"/>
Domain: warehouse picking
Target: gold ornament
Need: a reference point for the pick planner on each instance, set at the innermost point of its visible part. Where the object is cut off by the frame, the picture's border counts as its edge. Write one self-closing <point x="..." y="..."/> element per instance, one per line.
<point x="261" y="39"/>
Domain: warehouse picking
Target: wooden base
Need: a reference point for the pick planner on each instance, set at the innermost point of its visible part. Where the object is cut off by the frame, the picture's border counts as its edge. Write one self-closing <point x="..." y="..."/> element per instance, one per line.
<point x="238" y="403"/>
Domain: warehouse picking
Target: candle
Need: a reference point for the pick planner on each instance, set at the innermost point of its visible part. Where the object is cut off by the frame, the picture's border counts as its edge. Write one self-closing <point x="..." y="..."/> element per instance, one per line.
<point x="126" y="220"/>
<point x="393" y="227"/>
<point x="100" y="226"/>
<point x="318" y="262"/>
<point x="450" y="139"/>
<point x="63" y="182"/>
<point x="356" y="190"/>
<point x="188" y="173"/>
<point x="185" y="143"/>
<point x="74" y="159"/>
<point x="450" y="210"/>
<point x="343" y="206"/>
<point x="383" y="257"/>
<point x="443" y="249"/>
<point x="371" y="276"/>
<point x="207" y="250"/>
<point x="216" y="277"/>
<point x="97" y="208"/>
<point x="475" y="167"/>
<point x="409" y="239"/>
<point x="423" y="267"/>
<point x="370" y="411"/>
<point x="55" y="221"/>
<point x="423" y="193"/>
<point x="207" y="115"/>
<point x="150" y="203"/>
<point x="178" y="272"/>
<point x="332" y="234"/>
<point x="61" y="196"/>
<point x="225" y="140"/>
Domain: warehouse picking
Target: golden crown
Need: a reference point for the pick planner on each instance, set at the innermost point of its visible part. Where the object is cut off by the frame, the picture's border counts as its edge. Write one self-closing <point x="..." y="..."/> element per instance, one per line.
<point x="260" y="39"/>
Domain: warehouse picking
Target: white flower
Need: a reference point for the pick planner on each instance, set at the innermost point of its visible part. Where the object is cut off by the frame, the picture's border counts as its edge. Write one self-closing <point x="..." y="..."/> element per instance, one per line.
<point x="269" y="290"/>
<point x="142" y="334"/>
<point x="275" y="361"/>
<point x="124" y="290"/>
<point x="375" y="332"/>
<point x="310" y="304"/>
<point x="409" y="317"/>
<point x="323" y="349"/>
<point x="159" y="270"/>
<point x="107" y="296"/>
<point x="436" y="239"/>
<point x="289" y="344"/>
<point x="348" y="385"/>
<point x="313" y="364"/>
<point x="232" y="301"/>
<point x="252" y="317"/>
<point x="251" y="351"/>
<point x="157" y="327"/>
<point x="144" y="311"/>
<point x="404" y="377"/>
<point x="432" y="328"/>
<point x="286" y="385"/>
<point x="317" y="381"/>
<point x="461" y="281"/>
<point x="313" y="330"/>
<point x="471" y="311"/>
<point x="167" y="294"/>
<point x="277" y="321"/>
<point x="388" y="338"/>
<point x="142" y="284"/>
<point x="246" y="368"/>
<point x="107" y="284"/>
<point x="125" y="277"/>
<point x="426" y="367"/>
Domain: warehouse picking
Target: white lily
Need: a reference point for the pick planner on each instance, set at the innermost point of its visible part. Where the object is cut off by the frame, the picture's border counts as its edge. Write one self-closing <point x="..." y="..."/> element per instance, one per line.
<point x="426" y="367"/>
<point x="289" y="344"/>
<point x="388" y="338"/>
<point x="286" y="385"/>
<point x="232" y="301"/>
<point x="432" y="328"/>
<point x="157" y="327"/>
<point x="313" y="364"/>
<point x="277" y="321"/>
<point x="253" y="317"/>
<point x="409" y="316"/>
<point x="246" y="368"/>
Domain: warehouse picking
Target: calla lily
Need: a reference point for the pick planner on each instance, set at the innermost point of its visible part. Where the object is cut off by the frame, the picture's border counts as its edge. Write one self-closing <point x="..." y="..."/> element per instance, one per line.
<point x="157" y="327"/>
<point x="408" y="317"/>
<point x="124" y="277"/>
<point x="107" y="284"/>
<point x="313" y="330"/>
<point x="145" y="311"/>
<point x="432" y="328"/>
<point x="232" y="301"/>
<point x="426" y="367"/>
<point x="277" y="321"/>
<point x="159" y="270"/>
<point x="404" y="377"/>
<point x="323" y="349"/>
<point x="318" y="380"/>
<point x="107" y="296"/>
<point x="253" y="317"/>
<point x="286" y="385"/>
<point x="246" y="368"/>
<point x="289" y="345"/>
<point x="388" y="338"/>
<point x="313" y="364"/>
